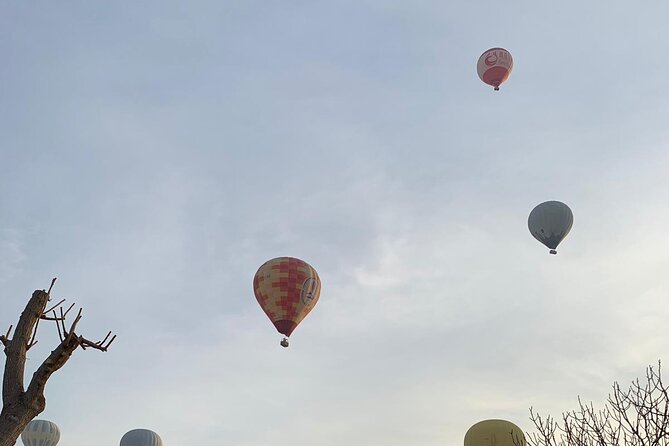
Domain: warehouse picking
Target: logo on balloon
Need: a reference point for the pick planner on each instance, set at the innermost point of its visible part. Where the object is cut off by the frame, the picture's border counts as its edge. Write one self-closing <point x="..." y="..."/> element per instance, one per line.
<point x="308" y="290"/>
<point x="491" y="59"/>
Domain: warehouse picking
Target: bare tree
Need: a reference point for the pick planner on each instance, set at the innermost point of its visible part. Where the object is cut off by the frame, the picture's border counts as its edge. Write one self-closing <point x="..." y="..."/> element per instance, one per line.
<point x="637" y="416"/>
<point x="21" y="404"/>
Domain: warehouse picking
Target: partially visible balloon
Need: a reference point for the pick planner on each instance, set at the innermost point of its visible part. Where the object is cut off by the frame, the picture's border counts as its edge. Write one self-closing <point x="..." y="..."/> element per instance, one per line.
<point x="494" y="66"/>
<point x="40" y="433"/>
<point x="494" y="433"/>
<point x="287" y="289"/>
<point x="550" y="222"/>
<point x="141" y="437"/>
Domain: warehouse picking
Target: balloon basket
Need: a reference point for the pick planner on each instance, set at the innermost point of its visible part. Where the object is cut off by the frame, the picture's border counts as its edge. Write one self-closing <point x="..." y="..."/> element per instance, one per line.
<point x="284" y="342"/>
<point x="552" y="251"/>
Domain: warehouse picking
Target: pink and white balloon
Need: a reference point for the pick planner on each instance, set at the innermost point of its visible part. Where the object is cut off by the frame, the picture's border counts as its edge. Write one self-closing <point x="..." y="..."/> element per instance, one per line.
<point x="494" y="66"/>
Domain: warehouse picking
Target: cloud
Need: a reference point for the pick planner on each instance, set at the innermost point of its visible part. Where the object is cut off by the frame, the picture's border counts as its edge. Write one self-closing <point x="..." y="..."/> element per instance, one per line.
<point x="12" y="253"/>
<point x="167" y="153"/>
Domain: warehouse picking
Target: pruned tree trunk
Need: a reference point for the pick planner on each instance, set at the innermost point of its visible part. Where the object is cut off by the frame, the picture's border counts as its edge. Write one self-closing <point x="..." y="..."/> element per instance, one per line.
<point x="21" y="404"/>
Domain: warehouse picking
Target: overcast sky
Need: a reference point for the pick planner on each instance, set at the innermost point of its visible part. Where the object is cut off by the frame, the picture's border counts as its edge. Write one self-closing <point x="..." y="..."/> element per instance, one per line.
<point x="154" y="154"/>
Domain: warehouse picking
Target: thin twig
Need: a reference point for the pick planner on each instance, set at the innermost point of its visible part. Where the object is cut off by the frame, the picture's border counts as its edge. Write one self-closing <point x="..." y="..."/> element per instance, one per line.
<point x="5" y="338"/>
<point x="60" y="334"/>
<point x="85" y="343"/>
<point x="51" y="286"/>
<point x="62" y="326"/>
<point x="76" y="321"/>
<point x="49" y="310"/>
<point x="68" y="310"/>
<point x="32" y="339"/>
<point x="105" y="339"/>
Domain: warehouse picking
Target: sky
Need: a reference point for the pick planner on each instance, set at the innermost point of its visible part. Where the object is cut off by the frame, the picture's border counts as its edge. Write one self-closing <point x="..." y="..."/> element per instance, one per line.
<point x="154" y="154"/>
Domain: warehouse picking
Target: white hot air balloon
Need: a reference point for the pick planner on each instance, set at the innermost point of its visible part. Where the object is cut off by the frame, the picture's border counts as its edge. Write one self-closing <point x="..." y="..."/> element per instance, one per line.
<point x="40" y="433"/>
<point x="141" y="437"/>
<point x="550" y="222"/>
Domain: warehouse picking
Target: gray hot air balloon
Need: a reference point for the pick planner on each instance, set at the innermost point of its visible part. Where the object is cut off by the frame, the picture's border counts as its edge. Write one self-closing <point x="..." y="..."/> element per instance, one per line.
<point x="40" y="433"/>
<point x="141" y="437"/>
<point x="550" y="222"/>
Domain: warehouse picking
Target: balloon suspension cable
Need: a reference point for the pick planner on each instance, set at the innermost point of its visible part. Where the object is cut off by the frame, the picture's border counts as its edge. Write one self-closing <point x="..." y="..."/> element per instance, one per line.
<point x="552" y="251"/>
<point x="284" y="342"/>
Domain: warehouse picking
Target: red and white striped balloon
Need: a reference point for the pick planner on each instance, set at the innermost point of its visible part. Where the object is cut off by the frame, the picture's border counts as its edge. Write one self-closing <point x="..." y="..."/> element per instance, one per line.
<point x="494" y="66"/>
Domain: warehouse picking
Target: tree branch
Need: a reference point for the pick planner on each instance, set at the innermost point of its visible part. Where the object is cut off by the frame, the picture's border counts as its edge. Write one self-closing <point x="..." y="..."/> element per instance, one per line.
<point x="13" y="382"/>
<point x="74" y="323"/>
<point x="52" y="363"/>
<point x="60" y="332"/>
<point x="51" y="286"/>
<point x="32" y="339"/>
<point x="100" y="345"/>
<point x="5" y="338"/>
<point x="55" y="306"/>
<point x="637" y="416"/>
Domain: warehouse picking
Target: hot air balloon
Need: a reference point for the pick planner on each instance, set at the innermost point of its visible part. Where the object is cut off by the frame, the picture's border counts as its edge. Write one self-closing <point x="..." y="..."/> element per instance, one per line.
<point x="494" y="66"/>
<point x="40" y="433"/>
<point x="494" y="432"/>
<point x="550" y="222"/>
<point x="287" y="289"/>
<point x="141" y="437"/>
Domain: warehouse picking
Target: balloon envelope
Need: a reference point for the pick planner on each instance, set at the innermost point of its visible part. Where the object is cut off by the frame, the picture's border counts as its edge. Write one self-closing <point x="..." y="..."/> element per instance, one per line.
<point x="494" y="66"/>
<point x="141" y="437"/>
<point x="40" y="433"/>
<point x="550" y="222"/>
<point x="494" y="433"/>
<point x="287" y="289"/>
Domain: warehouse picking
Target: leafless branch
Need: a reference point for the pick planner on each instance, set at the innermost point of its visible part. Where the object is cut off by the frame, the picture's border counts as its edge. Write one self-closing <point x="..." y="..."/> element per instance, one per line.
<point x="55" y="306"/>
<point x="106" y="337"/>
<point x="51" y="286"/>
<point x="75" y="322"/>
<point x="100" y="345"/>
<point x="5" y="338"/>
<point x="637" y="416"/>
<point x="60" y="333"/>
<point x="32" y="339"/>
<point x="68" y="310"/>
<point x="61" y="323"/>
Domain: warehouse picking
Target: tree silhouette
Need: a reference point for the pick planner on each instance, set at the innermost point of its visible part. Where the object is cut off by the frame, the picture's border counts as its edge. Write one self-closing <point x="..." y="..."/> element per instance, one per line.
<point x="637" y="416"/>
<point x="21" y="404"/>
